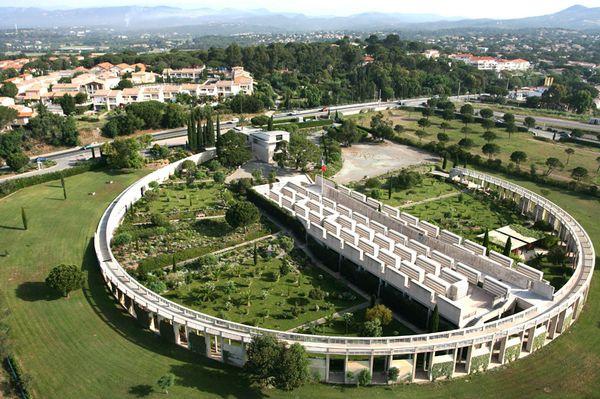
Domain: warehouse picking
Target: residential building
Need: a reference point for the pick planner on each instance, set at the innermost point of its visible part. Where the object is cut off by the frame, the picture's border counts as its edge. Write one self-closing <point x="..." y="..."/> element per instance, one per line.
<point x="184" y="73"/>
<point x="492" y="63"/>
<point x="107" y="99"/>
<point x="142" y="77"/>
<point x="431" y="53"/>
<point x="23" y="112"/>
<point x="523" y="93"/>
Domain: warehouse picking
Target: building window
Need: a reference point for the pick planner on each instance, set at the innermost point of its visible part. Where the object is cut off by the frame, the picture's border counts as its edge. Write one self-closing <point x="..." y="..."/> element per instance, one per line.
<point x="279" y="137"/>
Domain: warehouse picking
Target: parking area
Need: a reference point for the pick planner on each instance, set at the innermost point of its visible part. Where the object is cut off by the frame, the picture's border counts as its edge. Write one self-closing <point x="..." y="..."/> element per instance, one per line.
<point x="364" y="160"/>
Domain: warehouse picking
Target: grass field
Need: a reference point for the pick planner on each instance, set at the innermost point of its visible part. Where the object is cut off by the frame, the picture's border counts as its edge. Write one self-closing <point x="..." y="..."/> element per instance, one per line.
<point x="537" y="151"/>
<point x="86" y="347"/>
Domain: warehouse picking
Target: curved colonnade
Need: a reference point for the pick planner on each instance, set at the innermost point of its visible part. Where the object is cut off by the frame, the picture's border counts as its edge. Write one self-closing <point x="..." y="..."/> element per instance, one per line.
<point x="337" y="359"/>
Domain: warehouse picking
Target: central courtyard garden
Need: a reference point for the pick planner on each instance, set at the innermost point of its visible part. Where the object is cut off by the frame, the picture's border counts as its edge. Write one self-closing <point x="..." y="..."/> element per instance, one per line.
<point x="270" y="284"/>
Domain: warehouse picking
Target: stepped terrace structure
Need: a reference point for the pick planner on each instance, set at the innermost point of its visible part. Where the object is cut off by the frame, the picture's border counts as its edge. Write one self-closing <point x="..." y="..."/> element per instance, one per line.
<point x="502" y="311"/>
<point x="430" y="266"/>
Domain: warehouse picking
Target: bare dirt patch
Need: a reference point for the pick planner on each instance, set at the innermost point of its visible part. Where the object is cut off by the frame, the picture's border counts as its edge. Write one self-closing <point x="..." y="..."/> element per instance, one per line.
<point x="364" y="160"/>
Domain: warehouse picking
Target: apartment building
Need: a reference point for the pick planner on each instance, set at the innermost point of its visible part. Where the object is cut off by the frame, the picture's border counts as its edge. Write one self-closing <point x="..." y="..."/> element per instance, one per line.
<point x="492" y="63"/>
<point x="184" y="73"/>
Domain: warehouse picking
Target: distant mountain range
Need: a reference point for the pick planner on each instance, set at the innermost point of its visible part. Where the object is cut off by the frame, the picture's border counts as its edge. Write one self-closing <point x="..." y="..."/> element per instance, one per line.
<point x="229" y="21"/>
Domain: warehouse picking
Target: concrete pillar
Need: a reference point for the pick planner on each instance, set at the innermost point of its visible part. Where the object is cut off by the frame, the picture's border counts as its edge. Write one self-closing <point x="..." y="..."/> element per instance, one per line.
<point x="327" y="360"/>
<point x="561" y="321"/>
<point x="576" y="306"/>
<point x="469" y="358"/>
<point x="207" y="343"/>
<point x="371" y="363"/>
<point x="502" y="353"/>
<point x="414" y="369"/>
<point x="345" y="369"/>
<point x="430" y="357"/>
<point x="530" y="337"/>
<point x="455" y="354"/>
<point x="176" y="332"/>
<point x="552" y="327"/>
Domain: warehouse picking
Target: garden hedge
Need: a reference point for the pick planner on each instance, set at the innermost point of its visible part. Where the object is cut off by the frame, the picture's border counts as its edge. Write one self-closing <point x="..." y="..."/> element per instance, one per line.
<point x="442" y="370"/>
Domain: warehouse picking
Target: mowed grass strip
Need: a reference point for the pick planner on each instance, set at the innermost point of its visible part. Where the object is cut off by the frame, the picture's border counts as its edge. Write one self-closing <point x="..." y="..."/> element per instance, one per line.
<point x="86" y="347"/>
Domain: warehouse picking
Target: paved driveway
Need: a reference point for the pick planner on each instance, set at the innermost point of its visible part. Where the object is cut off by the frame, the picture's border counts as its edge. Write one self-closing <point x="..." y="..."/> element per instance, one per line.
<point x="362" y="160"/>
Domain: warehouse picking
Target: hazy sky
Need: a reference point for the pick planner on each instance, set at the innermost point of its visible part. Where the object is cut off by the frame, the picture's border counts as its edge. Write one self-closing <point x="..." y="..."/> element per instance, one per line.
<point x="463" y="8"/>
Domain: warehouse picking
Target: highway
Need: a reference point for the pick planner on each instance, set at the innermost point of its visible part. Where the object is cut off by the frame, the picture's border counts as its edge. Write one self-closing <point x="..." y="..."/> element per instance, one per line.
<point x="67" y="158"/>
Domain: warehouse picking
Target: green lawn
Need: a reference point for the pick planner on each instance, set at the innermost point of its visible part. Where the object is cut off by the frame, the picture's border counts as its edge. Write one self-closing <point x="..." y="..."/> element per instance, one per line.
<point x="537" y="151"/>
<point x="275" y="301"/>
<point x="86" y="347"/>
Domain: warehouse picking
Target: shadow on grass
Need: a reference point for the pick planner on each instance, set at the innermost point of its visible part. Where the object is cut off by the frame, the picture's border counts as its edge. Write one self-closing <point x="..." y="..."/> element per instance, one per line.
<point x="34" y="291"/>
<point x="141" y="391"/>
<point x="11" y="227"/>
<point x="193" y="370"/>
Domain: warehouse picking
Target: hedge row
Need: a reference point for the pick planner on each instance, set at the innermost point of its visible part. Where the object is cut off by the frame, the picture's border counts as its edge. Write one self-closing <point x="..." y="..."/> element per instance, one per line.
<point x="586" y="143"/>
<point x="10" y="186"/>
<point x="314" y="123"/>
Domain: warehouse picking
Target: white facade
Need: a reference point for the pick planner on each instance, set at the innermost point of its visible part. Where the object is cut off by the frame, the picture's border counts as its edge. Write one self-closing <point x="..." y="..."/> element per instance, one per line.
<point x="184" y="73"/>
<point x="263" y="144"/>
<point x="492" y="63"/>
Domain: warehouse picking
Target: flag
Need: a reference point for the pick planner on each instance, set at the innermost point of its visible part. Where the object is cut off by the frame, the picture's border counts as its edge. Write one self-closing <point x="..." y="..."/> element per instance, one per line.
<point x="323" y="166"/>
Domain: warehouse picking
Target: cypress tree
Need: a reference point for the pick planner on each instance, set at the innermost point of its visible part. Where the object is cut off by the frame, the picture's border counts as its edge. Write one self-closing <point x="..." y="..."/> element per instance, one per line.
<point x="205" y="136"/>
<point x="270" y="124"/>
<point x="62" y="183"/>
<point x="390" y="181"/>
<point x="200" y="135"/>
<point x="24" y="218"/>
<point x="189" y="135"/>
<point x="445" y="162"/>
<point x="486" y="241"/>
<point x="210" y="131"/>
<point x="507" y="247"/>
<point x="218" y="141"/>
<point x="193" y="138"/>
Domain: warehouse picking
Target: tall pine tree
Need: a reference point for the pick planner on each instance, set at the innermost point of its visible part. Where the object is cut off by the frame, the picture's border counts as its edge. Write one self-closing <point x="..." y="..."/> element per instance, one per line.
<point x="193" y="139"/>
<point x="210" y="131"/>
<point x="200" y="134"/>
<point x="218" y="141"/>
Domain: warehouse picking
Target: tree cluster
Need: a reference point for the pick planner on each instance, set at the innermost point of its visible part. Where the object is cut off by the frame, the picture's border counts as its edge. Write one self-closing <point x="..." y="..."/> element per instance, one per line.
<point x="272" y="363"/>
